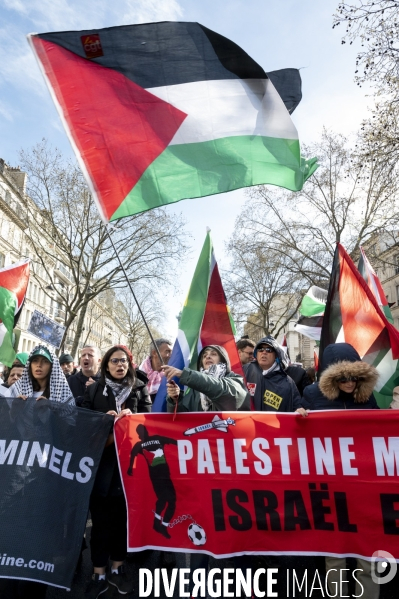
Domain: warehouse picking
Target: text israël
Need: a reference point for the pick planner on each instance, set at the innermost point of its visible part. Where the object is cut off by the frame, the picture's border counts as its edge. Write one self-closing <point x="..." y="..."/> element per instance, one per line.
<point x="234" y="459"/>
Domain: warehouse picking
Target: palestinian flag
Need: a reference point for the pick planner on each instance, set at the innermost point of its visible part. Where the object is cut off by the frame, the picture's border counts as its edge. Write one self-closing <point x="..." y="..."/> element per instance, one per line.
<point x="370" y="276"/>
<point x="312" y="310"/>
<point x="353" y="316"/>
<point x="160" y="112"/>
<point x="14" y="281"/>
<point x="205" y="320"/>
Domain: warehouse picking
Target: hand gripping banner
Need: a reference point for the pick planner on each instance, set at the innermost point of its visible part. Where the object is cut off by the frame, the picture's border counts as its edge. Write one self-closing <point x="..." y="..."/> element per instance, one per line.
<point x="49" y="454"/>
<point x="233" y="483"/>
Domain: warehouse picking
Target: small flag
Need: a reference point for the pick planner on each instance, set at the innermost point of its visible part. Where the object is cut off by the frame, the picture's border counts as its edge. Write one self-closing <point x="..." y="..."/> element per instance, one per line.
<point x="312" y="309"/>
<point x="370" y="276"/>
<point x="205" y="320"/>
<point x="352" y="315"/>
<point x="14" y="281"/>
<point x="162" y="112"/>
<point x="316" y="361"/>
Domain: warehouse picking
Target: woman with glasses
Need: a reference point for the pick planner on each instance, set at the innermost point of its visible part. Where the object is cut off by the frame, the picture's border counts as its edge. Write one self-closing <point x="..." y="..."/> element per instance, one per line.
<point x="345" y="383"/>
<point x="121" y="390"/>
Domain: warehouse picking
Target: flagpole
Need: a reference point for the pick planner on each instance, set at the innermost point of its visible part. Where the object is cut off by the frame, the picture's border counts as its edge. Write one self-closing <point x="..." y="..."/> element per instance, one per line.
<point x="134" y="296"/>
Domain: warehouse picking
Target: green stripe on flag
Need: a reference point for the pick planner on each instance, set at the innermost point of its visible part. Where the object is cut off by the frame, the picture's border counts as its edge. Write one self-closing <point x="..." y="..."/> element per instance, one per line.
<point x="194" y="306"/>
<point x="216" y="166"/>
<point x="310" y="307"/>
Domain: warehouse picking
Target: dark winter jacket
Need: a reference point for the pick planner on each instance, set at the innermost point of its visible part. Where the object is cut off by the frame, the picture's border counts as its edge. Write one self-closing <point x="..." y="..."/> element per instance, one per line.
<point x="108" y="480"/>
<point x="276" y="391"/>
<point x="227" y="393"/>
<point x="342" y="360"/>
<point x="299" y="376"/>
<point x="77" y="384"/>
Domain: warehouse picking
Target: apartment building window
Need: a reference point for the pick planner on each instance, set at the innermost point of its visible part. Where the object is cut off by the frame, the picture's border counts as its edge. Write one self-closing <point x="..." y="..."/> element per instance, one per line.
<point x="2" y="260"/>
<point x="397" y="264"/>
<point x="397" y="294"/>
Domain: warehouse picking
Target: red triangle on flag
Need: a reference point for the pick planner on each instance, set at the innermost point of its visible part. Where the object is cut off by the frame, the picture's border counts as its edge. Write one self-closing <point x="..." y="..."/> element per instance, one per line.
<point x="118" y="127"/>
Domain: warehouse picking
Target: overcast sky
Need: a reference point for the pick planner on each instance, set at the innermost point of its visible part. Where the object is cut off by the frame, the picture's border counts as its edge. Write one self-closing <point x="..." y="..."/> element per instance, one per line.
<point x="277" y="34"/>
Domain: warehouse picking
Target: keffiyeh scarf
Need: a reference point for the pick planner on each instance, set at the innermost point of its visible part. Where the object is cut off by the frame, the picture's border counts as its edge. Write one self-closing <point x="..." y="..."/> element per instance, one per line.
<point x="59" y="388"/>
<point x="120" y="390"/>
<point x="217" y="371"/>
<point x="154" y="377"/>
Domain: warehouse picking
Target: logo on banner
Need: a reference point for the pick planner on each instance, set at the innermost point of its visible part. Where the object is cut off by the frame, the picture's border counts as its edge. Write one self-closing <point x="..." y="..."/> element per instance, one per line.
<point x="272" y="399"/>
<point x="92" y="45"/>
<point x="251" y="388"/>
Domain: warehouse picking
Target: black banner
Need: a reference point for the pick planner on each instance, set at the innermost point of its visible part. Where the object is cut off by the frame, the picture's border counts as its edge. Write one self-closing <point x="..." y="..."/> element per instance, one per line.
<point x="49" y="455"/>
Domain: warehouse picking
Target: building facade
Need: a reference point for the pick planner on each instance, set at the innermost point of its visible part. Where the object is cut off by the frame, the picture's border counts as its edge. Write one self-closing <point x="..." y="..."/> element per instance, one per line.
<point x="103" y="325"/>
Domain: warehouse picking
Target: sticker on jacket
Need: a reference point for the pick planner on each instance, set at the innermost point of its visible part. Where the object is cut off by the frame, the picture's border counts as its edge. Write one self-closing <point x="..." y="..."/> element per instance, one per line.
<point x="251" y="388"/>
<point x="272" y="399"/>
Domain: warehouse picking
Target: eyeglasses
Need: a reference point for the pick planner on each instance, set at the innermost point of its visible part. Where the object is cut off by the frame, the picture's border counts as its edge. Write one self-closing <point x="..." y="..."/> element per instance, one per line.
<point x="268" y="350"/>
<point x="117" y="360"/>
<point x="349" y="379"/>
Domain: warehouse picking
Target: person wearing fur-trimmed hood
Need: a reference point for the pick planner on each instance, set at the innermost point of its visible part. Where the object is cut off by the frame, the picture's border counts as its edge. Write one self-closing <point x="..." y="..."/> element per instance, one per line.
<point x="345" y="381"/>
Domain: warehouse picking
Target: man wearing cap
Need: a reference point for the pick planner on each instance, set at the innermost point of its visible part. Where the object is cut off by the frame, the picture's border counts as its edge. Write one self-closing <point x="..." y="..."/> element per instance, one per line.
<point x="67" y="365"/>
<point x="90" y="359"/>
<point x="271" y="389"/>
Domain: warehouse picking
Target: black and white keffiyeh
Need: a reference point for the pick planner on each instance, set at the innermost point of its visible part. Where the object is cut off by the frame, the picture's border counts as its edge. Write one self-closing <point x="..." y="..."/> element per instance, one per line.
<point x="59" y="388"/>
<point x="120" y="390"/>
<point x="218" y="371"/>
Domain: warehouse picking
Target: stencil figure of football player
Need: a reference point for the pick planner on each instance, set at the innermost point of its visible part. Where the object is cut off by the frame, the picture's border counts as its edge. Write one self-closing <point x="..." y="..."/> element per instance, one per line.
<point x="151" y="447"/>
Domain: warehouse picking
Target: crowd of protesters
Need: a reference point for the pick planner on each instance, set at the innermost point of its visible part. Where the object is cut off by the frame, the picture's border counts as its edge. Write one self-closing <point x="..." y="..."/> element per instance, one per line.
<point x="114" y="385"/>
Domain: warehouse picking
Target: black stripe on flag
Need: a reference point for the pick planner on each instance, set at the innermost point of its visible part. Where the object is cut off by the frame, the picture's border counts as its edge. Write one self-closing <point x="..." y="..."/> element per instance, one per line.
<point x="172" y="53"/>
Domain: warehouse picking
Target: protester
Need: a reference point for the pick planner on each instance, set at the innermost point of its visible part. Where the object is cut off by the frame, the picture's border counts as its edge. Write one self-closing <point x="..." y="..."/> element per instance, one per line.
<point x="121" y="390"/>
<point x="90" y="359"/>
<point x="268" y="383"/>
<point x="152" y="365"/>
<point x="14" y="375"/>
<point x="22" y="358"/>
<point x="245" y="349"/>
<point x="42" y="378"/>
<point x="67" y="365"/>
<point x="299" y="376"/>
<point x="345" y="383"/>
<point x="213" y="387"/>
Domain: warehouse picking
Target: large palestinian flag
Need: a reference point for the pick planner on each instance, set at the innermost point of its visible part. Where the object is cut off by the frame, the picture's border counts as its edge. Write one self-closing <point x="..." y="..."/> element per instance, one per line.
<point x="14" y="281"/>
<point x="160" y="112"/>
<point x="205" y="320"/>
<point x="352" y="315"/>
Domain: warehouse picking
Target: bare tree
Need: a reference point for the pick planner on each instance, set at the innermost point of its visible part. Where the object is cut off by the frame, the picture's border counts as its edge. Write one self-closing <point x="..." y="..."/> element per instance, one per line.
<point x="263" y="294"/>
<point x="375" y="23"/>
<point x="349" y="199"/>
<point x="138" y="337"/>
<point x="71" y="243"/>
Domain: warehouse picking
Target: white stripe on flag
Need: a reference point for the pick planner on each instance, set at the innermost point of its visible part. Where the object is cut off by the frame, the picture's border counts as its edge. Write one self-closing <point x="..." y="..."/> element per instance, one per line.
<point x="226" y="108"/>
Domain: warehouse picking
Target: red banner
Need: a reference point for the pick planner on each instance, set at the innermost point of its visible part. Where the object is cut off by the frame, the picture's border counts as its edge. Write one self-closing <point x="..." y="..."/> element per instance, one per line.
<point x="228" y="484"/>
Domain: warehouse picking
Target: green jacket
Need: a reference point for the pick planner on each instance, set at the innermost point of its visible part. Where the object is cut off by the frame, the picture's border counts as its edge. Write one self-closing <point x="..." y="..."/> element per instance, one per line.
<point x="227" y="394"/>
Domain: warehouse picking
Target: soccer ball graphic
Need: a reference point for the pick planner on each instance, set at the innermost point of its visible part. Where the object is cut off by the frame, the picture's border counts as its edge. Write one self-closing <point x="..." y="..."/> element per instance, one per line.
<point x="196" y="534"/>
